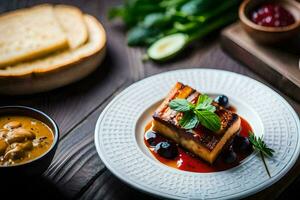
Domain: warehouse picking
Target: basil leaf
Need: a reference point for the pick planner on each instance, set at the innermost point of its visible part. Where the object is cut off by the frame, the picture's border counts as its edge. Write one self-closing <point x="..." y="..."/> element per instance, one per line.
<point x="189" y="120"/>
<point x="209" y="120"/>
<point x="181" y="105"/>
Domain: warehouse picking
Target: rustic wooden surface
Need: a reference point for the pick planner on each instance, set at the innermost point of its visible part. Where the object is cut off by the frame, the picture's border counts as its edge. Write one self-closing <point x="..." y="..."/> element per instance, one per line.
<point x="277" y="65"/>
<point x="77" y="171"/>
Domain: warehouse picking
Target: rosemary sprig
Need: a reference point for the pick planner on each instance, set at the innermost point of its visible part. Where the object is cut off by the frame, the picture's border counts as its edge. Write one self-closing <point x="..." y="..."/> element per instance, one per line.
<point x="260" y="146"/>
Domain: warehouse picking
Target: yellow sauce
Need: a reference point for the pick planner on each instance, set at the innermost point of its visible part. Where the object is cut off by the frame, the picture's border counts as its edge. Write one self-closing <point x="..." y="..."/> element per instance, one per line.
<point x="13" y="130"/>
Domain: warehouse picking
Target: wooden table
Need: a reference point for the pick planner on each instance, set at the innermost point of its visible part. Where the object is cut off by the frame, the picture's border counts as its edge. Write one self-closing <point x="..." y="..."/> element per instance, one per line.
<point x="77" y="171"/>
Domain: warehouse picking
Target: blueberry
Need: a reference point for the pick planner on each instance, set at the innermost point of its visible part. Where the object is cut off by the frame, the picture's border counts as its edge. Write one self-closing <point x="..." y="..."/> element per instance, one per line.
<point x="222" y="100"/>
<point x="241" y="144"/>
<point x="229" y="156"/>
<point x="167" y="150"/>
<point x="151" y="137"/>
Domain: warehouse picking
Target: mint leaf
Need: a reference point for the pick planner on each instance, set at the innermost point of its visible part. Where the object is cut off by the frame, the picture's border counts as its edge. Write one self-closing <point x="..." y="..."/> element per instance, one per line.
<point x="204" y="103"/>
<point x="209" y="120"/>
<point x="203" y="112"/>
<point x="189" y="120"/>
<point x="209" y="107"/>
<point x="203" y="98"/>
<point x="181" y="105"/>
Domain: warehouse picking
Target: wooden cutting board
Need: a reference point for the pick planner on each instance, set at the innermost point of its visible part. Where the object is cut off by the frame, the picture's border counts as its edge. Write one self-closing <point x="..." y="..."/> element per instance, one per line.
<point x="275" y="64"/>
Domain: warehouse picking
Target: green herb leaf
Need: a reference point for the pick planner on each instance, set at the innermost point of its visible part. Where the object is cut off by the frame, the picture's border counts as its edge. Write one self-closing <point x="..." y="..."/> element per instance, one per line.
<point x="204" y="103"/>
<point x="203" y="99"/>
<point x="181" y="105"/>
<point x="202" y="112"/>
<point x="189" y="120"/>
<point x="211" y="108"/>
<point x="260" y="146"/>
<point x="209" y="120"/>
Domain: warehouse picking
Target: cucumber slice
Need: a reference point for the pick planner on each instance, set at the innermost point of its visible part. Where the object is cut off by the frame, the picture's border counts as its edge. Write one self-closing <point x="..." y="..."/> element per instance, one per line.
<point x="167" y="47"/>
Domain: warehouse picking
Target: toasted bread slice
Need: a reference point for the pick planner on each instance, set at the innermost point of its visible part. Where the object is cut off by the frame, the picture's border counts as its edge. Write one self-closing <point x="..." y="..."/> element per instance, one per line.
<point x="29" y="33"/>
<point x="72" y="22"/>
<point x="200" y="140"/>
<point x="57" y="69"/>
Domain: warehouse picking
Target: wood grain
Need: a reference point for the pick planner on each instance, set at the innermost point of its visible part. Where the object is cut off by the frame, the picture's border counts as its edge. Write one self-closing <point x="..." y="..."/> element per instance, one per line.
<point x="76" y="171"/>
<point x="223" y="61"/>
<point x="89" y="92"/>
<point x="277" y="65"/>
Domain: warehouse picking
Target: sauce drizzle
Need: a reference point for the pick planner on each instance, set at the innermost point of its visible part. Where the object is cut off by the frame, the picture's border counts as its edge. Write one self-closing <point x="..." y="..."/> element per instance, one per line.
<point x="187" y="161"/>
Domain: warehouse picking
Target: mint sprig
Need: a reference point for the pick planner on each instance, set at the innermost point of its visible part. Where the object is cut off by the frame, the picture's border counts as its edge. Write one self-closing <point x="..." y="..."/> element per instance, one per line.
<point x="202" y="112"/>
<point x="260" y="146"/>
<point x="181" y="105"/>
<point x="189" y="120"/>
<point x="204" y="103"/>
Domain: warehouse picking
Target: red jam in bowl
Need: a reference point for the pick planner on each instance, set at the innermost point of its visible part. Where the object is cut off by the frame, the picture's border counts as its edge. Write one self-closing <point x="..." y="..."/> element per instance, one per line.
<point x="187" y="161"/>
<point x="272" y="15"/>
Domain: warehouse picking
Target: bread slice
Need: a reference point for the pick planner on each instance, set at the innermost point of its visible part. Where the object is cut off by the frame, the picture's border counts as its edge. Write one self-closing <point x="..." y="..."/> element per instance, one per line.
<point x="72" y="22"/>
<point x="57" y="69"/>
<point x="29" y="33"/>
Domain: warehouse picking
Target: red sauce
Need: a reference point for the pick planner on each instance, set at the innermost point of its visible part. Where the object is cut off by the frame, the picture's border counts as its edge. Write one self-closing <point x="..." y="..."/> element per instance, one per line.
<point x="187" y="161"/>
<point x="272" y="15"/>
<point x="231" y="108"/>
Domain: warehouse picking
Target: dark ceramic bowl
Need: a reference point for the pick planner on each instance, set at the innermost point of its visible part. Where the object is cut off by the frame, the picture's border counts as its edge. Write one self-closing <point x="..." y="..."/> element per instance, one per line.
<point x="270" y="35"/>
<point x="38" y="165"/>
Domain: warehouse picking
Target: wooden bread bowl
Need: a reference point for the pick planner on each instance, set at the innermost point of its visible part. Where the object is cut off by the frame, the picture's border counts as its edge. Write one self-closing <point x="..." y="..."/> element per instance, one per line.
<point x="57" y="69"/>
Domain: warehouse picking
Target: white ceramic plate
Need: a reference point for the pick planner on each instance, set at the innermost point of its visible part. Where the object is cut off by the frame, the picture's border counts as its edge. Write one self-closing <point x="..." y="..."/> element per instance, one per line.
<point x="120" y="145"/>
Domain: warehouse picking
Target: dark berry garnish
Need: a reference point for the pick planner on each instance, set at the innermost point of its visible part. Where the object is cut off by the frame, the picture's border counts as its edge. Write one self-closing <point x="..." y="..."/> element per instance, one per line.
<point x="229" y="156"/>
<point x="222" y="100"/>
<point x="241" y="144"/>
<point x="151" y="138"/>
<point x="167" y="150"/>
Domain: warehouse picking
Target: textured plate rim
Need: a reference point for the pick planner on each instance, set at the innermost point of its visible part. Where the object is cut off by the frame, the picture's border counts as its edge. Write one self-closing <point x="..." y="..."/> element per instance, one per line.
<point x="243" y="194"/>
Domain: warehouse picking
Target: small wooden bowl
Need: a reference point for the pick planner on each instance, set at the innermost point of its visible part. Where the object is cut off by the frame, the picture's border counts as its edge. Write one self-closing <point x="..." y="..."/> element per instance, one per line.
<point x="270" y="35"/>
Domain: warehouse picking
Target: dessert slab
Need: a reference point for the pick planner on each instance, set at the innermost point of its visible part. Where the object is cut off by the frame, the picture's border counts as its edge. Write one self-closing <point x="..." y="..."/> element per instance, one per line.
<point x="119" y="136"/>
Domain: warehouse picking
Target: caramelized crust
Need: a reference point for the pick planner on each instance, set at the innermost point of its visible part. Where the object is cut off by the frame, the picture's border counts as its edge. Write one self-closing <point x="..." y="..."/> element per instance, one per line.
<point x="200" y="140"/>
